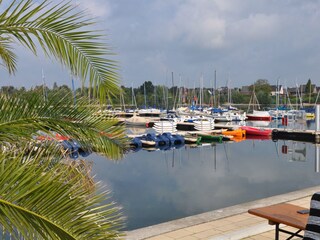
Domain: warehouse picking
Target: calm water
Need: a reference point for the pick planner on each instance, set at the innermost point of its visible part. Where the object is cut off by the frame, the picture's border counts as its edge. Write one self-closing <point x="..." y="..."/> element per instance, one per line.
<point x="154" y="187"/>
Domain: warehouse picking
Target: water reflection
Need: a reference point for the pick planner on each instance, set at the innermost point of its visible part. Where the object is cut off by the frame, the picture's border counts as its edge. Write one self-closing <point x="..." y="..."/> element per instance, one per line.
<point x="293" y="150"/>
<point x="158" y="186"/>
<point x="259" y="123"/>
<point x="317" y="158"/>
<point x="136" y="130"/>
<point x="297" y="151"/>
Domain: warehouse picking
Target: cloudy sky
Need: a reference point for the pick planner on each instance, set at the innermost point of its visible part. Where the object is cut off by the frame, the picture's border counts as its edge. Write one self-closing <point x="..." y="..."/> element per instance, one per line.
<point x="242" y="40"/>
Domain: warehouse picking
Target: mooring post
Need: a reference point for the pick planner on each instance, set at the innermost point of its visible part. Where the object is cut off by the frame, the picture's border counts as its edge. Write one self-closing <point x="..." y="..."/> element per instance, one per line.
<point x="317" y="138"/>
<point x="317" y="166"/>
<point x="317" y="117"/>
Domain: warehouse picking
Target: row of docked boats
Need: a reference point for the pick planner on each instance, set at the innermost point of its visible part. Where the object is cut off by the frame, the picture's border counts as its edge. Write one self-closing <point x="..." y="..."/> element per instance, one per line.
<point x="182" y="117"/>
<point x="185" y="115"/>
<point x="195" y="121"/>
<point x="166" y="140"/>
<point x="70" y="147"/>
<point x="176" y="128"/>
<point x="163" y="140"/>
<point x="208" y="126"/>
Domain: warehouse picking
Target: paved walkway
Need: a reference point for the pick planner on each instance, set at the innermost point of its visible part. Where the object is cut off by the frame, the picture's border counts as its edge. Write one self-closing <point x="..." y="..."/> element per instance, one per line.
<point x="225" y="224"/>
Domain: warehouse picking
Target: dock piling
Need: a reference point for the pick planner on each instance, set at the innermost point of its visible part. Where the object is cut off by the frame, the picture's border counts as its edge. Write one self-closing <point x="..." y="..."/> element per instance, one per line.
<point x="317" y="117"/>
<point x="317" y="158"/>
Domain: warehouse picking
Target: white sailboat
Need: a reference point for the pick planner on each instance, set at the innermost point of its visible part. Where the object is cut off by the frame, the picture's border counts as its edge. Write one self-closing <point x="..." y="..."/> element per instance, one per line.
<point x="257" y="115"/>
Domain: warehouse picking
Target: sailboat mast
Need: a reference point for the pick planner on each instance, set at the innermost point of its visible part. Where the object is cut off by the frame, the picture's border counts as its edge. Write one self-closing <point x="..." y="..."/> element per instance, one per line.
<point x="177" y="95"/>
<point x="134" y="101"/>
<point x="132" y="94"/>
<point x="155" y="96"/>
<point x="44" y="86"/>
<point x="201" y="91"/>
<point x="73" y="91"/>
<point x="228" y="90"/>
<point x="172" y="90"/>
<point x="215" y="88"/>
<point x="145" y="96"/>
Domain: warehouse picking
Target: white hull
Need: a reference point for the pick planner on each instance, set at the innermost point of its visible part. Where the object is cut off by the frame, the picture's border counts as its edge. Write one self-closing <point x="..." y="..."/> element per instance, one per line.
<point x="204" y="125"/>
<point x="165" y="126"/>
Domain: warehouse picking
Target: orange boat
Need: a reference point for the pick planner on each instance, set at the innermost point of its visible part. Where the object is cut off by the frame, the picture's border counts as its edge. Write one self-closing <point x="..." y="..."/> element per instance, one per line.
<point x="239" y="139"/>
<point x="237" y="133"/>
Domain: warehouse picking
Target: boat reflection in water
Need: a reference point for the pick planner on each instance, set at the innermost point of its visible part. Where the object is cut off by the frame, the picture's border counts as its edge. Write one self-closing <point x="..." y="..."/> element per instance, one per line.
<point x="293" y="150"/>
<point x="136" y="130"/>
<point x="258" y="123"/>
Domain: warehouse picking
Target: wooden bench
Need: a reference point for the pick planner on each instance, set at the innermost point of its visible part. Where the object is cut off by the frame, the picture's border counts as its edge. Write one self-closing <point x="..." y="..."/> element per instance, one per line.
<point x="286" y="214"/>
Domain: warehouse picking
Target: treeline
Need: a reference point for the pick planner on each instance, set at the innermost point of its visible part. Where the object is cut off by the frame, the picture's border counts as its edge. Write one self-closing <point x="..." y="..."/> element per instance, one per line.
<point x="160" y="96"/>
<point x="42" y="91"/>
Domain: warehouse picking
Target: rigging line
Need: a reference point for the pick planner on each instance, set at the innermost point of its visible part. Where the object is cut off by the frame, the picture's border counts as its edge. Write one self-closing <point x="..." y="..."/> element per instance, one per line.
<point x="276" y="143"/>
<point x="225" y="150"/>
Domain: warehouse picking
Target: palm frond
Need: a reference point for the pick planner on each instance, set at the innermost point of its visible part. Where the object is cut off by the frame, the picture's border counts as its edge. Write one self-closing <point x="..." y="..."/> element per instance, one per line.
<point x="22" y="118"/>
<point x="8" y="57"/>
<point x="66" y="36"/>
<point x="46" y="201"/>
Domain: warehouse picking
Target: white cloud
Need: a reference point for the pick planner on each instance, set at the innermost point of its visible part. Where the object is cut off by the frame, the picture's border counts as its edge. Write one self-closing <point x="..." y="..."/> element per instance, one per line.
<point x="256" y="27"/>
<point x="197" y="23"/>
<point x="245" y="38"/>
<point x="95" y="8"/>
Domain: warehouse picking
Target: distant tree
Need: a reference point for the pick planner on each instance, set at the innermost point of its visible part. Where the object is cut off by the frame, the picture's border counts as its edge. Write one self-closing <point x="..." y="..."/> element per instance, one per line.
<point x="8" y="90"/>
<point x="140" y="100"/>
<point x="308" y="86"/>
<point x="261" y="85"/>
<point x="146" y="88"/>
<point x="237" y="97"/>
<point x="149" y="88"/>
<point x="223" y="98"/>
<point x="264" y="98"/>
<point x="262" y="82"/>
<point x="127" y="95"/>
<point x="308" y="89"/>
<point x="55" y="86"/>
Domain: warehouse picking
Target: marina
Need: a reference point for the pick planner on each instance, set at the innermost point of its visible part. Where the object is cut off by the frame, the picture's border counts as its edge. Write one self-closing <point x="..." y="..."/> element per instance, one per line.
<point x="165" y="120"/>
<point x="216" y="164"/>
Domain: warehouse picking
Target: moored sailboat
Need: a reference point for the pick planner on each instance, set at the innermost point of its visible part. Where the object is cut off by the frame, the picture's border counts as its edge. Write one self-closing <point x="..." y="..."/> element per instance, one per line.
<point x="257" y="115"/>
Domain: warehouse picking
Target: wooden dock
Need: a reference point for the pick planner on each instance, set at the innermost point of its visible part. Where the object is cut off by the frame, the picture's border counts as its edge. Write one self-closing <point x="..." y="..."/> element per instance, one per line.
<point x="277" y="133"/>
<point x="296" y="135"/>
<point x="287" y="134"/>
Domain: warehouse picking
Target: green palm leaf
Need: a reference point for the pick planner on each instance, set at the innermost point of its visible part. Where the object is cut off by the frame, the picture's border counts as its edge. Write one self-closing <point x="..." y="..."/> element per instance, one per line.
<point x="38" y="203"/>
<point x="22" y="118"/>
<point x="7" y="55"/>
<point x="42" y="197"/>
<point x="66" y="36"/>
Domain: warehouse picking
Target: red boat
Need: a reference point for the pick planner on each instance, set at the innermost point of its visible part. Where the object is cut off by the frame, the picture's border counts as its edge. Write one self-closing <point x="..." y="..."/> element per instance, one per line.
<point x="258" y="137"/>
<point x="257" y="131"/>
<point x="259" y="116"/>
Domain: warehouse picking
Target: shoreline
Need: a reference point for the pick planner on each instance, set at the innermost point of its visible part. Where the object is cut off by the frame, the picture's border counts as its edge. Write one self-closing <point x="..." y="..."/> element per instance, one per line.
<point x="162" y="228"/>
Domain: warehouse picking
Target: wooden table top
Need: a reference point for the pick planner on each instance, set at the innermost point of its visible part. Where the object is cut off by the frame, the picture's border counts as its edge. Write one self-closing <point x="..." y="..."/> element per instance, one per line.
<point x="284" y="213"/>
